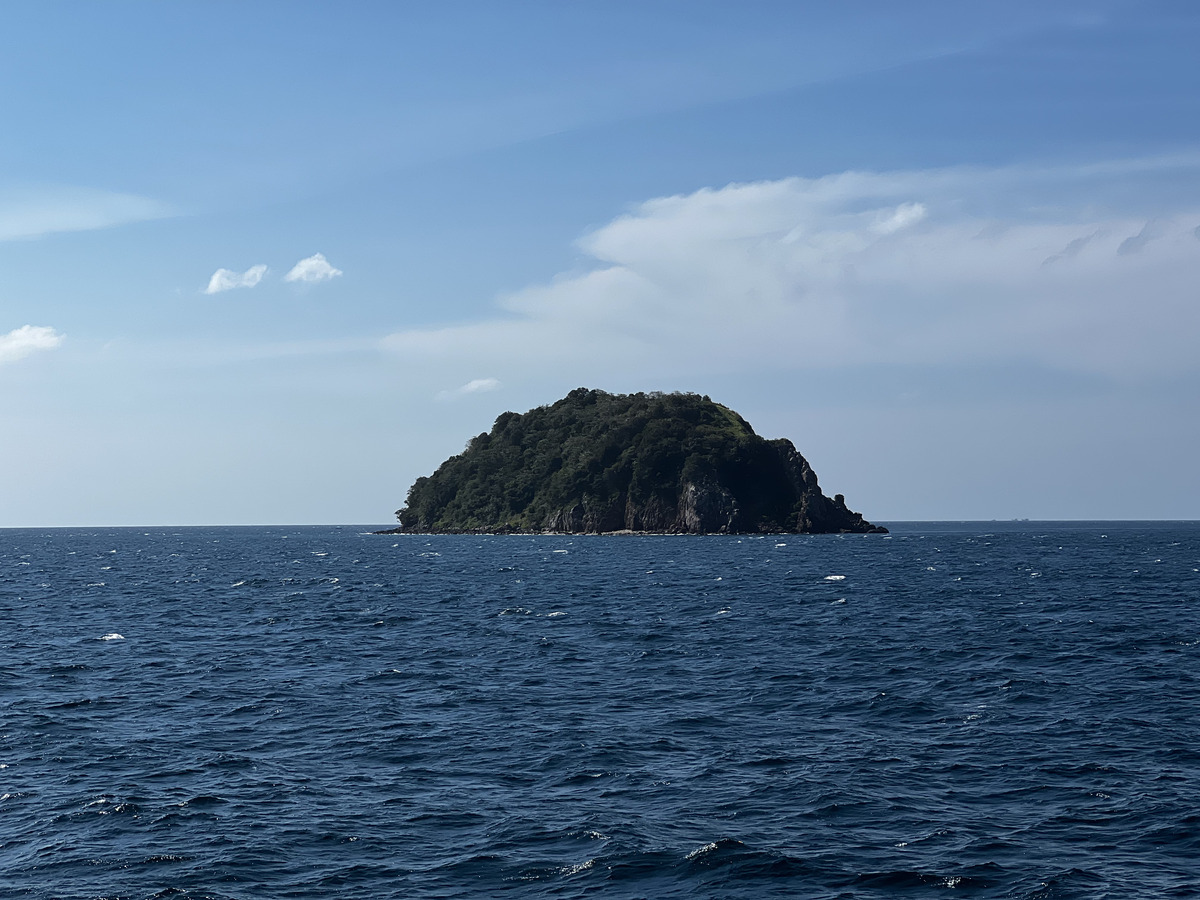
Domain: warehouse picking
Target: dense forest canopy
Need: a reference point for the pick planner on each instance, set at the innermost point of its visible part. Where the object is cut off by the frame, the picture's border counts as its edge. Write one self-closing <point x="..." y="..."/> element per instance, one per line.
<point x="600" y="462"/>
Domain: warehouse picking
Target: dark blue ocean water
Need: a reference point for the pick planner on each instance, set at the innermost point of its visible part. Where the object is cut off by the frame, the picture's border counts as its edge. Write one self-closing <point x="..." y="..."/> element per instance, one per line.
<point x="990" y="710"/>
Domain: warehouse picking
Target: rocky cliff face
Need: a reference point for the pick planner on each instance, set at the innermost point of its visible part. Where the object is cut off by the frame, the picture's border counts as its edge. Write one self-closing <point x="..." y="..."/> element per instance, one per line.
<point x="815" y="512"/>
<point x="599" y="463"/>
<point x="711" y="508"/>
<point x="706" y="509"/>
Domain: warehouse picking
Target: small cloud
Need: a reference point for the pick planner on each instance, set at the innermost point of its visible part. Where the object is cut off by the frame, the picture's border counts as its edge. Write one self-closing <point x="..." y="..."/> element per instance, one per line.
<point x="21" y="342"/>
<point x="478" y="386"/>
<point x="1072" y="249"/>
<point x="991" y="231"/>
<point x="900" y="218"/>
<point x="227" y="279"/>
<point x="1135" y="243"/>
<point x="314" y="268"/>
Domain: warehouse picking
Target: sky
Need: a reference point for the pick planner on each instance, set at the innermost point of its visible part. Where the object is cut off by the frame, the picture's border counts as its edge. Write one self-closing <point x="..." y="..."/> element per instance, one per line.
<point x="269" y="262"/>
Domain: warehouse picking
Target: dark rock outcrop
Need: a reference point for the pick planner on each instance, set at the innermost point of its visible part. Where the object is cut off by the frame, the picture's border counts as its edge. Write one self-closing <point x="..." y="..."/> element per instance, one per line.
<point x="599" y="463"/>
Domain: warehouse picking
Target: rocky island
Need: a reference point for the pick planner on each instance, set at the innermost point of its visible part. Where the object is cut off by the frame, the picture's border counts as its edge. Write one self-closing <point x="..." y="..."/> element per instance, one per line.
<point x="596" y="462"/>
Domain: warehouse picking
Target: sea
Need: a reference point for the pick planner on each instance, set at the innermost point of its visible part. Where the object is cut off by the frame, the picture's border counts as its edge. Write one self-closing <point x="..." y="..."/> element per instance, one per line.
<point x="980" y="709"/>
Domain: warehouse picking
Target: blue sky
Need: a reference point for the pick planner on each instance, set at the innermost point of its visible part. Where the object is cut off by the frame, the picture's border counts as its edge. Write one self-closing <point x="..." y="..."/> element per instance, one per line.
<point x="270" y="262"/>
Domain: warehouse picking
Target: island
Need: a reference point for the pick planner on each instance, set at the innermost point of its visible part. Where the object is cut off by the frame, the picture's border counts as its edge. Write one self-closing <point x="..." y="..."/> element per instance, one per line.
<point x="601" y="463"/>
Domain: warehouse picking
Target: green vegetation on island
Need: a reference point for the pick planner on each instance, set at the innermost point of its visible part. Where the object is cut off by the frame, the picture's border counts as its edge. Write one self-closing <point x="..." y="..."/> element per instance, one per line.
<point x="596" y="462"/>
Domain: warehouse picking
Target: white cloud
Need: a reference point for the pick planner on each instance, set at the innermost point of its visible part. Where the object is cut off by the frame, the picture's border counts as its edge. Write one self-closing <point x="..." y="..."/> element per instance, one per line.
<point x="21" y="342"/>
<point x="35" y="212"/>
<point x="477" y="386"/>
<point x="227" y="279"/>
<point x="816" y="273"/>
<point x="890" y="221"/>
<point x="314" y="268"/>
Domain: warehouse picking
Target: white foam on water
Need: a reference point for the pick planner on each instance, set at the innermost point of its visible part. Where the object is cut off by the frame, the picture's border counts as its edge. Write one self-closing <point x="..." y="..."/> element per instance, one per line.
<point x="553" y="614"/>
<point x="781" y="545"/>
<point x="237" y="584"/>
<point x="724" y="611"/>
<point x="112" y="636"/>
<point x="576" y="869"/>
<point x="560" y="551"/>
<point x="835" y="577"/>
<point x="710" y="847"/>
<point x="838" y="600"/>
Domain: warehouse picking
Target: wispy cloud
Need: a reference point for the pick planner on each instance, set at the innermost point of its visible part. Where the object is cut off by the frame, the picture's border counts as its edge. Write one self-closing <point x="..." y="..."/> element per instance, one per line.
<point x="314" y="268"/>
<point x="35" y="212"/>
<point x="889" y="221"/>
<point x="21" y="342"/>
<point x="932" y="268"/>
<point x="476" y="386"/>
<point x="227" y="279"/>
<point x="1135" y="243"/>
<point x="1074" y="248"/>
